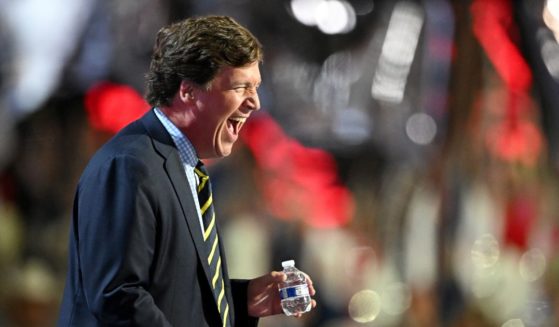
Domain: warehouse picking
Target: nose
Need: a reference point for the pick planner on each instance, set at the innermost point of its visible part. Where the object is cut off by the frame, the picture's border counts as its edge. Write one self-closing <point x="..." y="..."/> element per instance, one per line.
<point x="253" y="102"/>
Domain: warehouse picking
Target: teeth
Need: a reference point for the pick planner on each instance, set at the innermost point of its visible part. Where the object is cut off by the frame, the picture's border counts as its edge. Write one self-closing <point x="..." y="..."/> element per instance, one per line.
<point x="238" y="119"/>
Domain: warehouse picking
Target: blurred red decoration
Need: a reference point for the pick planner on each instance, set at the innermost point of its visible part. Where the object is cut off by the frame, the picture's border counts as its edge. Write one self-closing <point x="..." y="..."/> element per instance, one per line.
<point x="298" y="182"/>
<point x="520" y="216"/>
<point x="493" y="26"/>
<point x="112" y="106"/>
<point x="516" y="142"/>
<point x="515" y="138"/>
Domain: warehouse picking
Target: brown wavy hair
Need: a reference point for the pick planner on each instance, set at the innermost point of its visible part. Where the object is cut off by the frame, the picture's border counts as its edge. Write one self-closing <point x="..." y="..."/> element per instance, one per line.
<point x="195" y="50"/>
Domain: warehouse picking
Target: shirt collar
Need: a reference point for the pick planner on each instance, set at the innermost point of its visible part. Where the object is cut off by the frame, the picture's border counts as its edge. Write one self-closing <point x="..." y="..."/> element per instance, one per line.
<point x="186" y="150"/>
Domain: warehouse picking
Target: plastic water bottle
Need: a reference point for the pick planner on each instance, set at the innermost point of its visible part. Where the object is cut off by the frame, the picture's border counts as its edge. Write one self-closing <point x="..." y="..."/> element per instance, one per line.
<point x="294" y="292"/>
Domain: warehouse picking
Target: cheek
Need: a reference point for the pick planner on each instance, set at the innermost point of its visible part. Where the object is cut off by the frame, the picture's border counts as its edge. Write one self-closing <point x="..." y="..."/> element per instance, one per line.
<point x="218" y="112"/>
<point x="232" y="103"/>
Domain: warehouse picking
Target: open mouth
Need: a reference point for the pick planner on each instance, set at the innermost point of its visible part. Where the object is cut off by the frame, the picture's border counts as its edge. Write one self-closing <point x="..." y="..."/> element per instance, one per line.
<point x="235" y="124"/>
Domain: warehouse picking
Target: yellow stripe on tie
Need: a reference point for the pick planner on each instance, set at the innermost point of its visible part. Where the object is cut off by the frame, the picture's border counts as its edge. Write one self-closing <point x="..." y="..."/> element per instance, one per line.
<point x="209" y="229"/>
<point x="225" y="314"/>
<point x="200" y="173"/>
<point x="217" y="270"/>
<point x="203" y="181"/>
<point x="206" y="205"/>
<point x="211" y="256"/>
<point x="220" y="297"/>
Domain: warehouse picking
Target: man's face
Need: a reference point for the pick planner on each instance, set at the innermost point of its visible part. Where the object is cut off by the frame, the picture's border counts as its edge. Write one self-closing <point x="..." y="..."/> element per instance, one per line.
<point x="222" y="110"/>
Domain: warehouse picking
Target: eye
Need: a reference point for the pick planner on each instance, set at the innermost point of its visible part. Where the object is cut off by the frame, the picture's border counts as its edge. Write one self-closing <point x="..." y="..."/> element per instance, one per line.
<point x="247" y="88"/>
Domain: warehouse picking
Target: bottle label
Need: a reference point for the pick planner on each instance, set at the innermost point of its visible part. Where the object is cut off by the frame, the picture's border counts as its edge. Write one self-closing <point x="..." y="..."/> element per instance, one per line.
<point x="294" y="291"/>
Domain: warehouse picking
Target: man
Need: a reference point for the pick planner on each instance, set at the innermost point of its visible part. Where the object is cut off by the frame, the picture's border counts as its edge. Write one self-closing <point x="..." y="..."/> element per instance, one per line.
<point x="143" y="249"/>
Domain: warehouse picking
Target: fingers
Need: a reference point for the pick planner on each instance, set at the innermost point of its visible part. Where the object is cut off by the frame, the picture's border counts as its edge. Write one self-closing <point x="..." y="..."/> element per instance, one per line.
<point x="278" y="276"/>
<point x="312" y="291"/>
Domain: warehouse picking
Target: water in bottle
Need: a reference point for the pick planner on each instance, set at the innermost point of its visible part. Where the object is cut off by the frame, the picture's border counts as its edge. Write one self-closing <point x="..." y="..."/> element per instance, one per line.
<point x="294" y="292"/>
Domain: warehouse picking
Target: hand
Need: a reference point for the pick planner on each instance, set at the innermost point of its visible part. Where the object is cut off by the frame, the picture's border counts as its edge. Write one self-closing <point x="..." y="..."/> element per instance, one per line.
<point x="263" y="294"/>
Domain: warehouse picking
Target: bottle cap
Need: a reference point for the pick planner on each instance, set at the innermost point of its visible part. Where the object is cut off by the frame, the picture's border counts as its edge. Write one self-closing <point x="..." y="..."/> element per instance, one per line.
<point x="288" y="263"/>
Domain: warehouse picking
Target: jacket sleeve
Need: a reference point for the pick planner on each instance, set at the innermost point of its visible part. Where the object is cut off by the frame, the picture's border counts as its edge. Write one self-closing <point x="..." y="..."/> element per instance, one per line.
<point x="116" y="224"/>
<point x="239" y="289"/>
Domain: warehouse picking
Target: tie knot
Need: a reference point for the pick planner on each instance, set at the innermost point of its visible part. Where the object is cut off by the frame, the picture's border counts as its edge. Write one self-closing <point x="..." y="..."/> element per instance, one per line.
<point x="201" y="170"/>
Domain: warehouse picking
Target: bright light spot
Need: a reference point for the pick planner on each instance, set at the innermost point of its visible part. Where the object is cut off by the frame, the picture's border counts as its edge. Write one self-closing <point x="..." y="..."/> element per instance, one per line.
<point x="352" y="125"/>
<point x="330" y="16"/>
<point x="364" y="306"/>
<point x="398" y="52"/>
<point x="387" y="88"/>
<point x="550" y="57"/>
<point x="532" y="265"/>
<point x="402" y="40"/>
<point x="335" y="17"/>
<point x="421" y="128"/>
<point x="42" y="45"/>
<point x="514" y="323"/>
<point x="35" y="281"/>
<point x="396" y="299"/>
<point x="305" y="11"/>
<point x="550" y="17"/>
<point x="485" y="251"/>
<point x="553" y="7"/>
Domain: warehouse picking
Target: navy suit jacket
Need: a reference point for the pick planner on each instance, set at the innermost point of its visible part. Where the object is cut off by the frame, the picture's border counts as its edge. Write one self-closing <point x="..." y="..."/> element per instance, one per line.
<point x="136" y="249"/>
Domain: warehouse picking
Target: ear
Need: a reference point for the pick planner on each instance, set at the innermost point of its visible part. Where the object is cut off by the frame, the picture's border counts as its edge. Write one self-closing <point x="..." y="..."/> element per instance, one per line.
<point x="186" y="91"/>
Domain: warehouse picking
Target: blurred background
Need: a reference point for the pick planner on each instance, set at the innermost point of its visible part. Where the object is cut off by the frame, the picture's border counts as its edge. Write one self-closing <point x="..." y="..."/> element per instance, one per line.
<point x="406" y="155"/>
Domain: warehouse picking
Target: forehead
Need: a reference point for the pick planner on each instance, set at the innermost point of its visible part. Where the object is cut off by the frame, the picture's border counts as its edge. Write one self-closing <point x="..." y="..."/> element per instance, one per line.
<point x="248" y="74"/>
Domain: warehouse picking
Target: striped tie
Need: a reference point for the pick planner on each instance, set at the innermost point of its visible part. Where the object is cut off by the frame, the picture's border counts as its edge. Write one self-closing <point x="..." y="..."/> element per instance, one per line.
<point x="211" y="241"/>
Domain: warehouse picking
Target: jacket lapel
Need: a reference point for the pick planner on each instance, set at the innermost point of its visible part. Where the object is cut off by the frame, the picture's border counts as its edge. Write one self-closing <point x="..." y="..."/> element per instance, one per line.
<point x="166" y="147"/>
